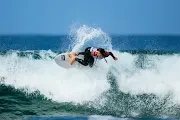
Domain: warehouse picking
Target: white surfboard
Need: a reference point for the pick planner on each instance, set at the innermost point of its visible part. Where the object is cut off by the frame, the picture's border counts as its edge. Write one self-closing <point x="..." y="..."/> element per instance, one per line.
<point x="63" y="60"/>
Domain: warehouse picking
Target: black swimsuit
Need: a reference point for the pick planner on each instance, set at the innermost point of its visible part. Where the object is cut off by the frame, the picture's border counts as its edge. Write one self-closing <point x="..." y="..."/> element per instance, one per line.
<point x="88" y="58"/>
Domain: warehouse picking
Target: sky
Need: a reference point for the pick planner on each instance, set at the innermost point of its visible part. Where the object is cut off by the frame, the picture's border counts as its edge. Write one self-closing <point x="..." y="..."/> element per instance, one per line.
<point x="112" y="16"/>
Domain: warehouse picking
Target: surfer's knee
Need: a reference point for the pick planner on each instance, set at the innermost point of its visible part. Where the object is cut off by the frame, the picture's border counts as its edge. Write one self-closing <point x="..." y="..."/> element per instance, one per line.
<point x="74" y="53"/>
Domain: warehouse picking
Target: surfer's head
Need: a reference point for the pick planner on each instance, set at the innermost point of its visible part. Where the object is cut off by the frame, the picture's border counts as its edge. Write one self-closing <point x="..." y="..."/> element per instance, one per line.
<point x="101" y="52"/>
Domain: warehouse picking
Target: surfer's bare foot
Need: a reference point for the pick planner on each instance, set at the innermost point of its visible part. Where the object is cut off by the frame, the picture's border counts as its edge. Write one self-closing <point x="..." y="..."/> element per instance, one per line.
<point x="73" y="56"/>
<point x="69" y="55"/>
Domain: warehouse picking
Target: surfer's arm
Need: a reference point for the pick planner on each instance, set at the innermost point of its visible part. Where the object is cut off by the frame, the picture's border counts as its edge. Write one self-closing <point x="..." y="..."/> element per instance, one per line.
<point x="110" y="53"/>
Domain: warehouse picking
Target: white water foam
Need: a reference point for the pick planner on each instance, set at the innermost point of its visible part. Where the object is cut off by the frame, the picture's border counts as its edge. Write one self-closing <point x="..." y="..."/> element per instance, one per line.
<point x="161" y="79"/>
<point x="51" y="80"/>
<point x="86" y="36"/>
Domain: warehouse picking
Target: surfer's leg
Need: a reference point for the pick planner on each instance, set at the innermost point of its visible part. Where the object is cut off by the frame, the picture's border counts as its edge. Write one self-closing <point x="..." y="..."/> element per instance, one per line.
<point x="83" y="62"/>
<point x="72" y="59"/>
<point x="73" y="56"/>
<point x="91" y="61"/>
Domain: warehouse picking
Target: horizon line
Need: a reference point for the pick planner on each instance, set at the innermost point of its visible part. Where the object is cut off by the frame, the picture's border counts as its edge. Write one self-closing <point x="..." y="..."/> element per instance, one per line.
<point x="46" y="34"/>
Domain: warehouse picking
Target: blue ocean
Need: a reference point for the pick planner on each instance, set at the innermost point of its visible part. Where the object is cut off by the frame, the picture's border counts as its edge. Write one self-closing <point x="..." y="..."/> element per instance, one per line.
<point x="142" y="84"/>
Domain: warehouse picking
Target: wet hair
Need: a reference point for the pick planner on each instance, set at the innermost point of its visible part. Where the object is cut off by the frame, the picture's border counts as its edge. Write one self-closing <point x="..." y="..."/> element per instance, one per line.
<point x="102" y="51"/>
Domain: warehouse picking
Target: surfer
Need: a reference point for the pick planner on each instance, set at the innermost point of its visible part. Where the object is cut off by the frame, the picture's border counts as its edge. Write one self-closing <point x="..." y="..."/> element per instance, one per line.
<point x="90" y="54"/>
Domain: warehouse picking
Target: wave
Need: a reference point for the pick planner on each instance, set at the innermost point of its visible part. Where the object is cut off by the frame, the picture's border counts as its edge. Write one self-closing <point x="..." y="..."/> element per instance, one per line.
<point x="137" y="85"/>
<point x="134" y="86"/>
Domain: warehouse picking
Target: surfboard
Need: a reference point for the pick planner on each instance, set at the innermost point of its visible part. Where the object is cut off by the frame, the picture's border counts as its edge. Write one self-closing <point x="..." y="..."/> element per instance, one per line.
<point x="63" y="60"/>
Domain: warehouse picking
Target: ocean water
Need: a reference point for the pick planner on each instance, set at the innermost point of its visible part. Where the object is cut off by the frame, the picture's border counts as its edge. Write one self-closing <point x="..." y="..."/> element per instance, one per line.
<point x="142" y="84"/>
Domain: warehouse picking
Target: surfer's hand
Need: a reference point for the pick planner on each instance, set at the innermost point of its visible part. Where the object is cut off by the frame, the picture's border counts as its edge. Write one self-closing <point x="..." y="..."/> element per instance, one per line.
<point x="115" y="58"/>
